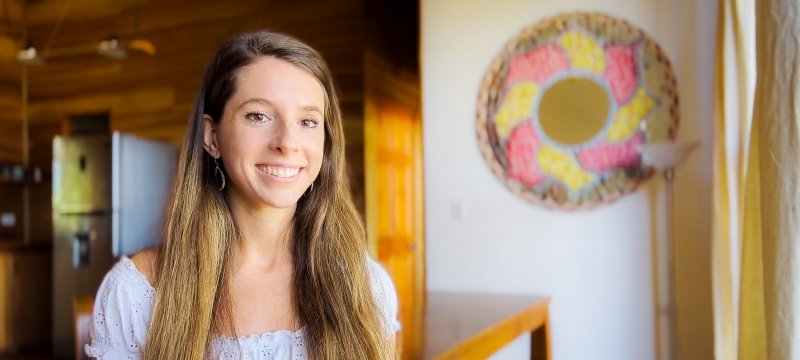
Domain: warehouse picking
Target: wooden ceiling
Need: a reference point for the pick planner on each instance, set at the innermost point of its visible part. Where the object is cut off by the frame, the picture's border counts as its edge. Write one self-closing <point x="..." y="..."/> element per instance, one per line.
<point x="185" y="33"/>
<point x="153" y="95"/>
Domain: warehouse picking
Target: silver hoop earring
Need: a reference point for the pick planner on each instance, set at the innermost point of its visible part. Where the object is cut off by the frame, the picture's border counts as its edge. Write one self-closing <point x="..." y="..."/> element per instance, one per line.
<point x="221" y="174"/>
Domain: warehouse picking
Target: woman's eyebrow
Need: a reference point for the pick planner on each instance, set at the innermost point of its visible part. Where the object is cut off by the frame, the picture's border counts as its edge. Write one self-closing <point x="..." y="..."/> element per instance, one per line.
<point x="254" y="100"/>
<point x="312" y="108"/>
<point x="269" y="103"/>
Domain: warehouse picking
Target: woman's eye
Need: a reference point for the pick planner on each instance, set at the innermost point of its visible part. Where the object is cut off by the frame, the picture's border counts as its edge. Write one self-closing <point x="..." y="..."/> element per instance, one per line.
<point x="310" y="123"/>
<point x="257" y="117"/>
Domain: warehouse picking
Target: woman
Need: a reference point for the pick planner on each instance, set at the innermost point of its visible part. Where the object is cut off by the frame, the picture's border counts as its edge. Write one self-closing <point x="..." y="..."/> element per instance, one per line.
<point x="263" y="253"/>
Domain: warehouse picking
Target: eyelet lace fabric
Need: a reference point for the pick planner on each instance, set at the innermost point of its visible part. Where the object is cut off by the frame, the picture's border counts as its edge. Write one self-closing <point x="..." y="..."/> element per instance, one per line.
<point x="281" y="344"/>
<point x="125" y="300"/>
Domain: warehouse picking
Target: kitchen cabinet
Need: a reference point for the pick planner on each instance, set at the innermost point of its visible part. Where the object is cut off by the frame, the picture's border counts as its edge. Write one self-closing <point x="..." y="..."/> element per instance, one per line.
<point x="25" y="282"/>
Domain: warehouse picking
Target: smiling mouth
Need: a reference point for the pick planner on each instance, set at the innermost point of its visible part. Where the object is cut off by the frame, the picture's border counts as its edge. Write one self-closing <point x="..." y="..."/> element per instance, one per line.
<point x="278" y="171"/>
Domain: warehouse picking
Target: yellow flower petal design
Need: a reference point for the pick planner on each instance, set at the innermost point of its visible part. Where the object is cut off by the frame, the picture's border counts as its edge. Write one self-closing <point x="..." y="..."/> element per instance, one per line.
<point x="584" y="52"/>
<point x="628" y="117"/>
<point x="516" y="107"/>
<point x="564" y="167"/>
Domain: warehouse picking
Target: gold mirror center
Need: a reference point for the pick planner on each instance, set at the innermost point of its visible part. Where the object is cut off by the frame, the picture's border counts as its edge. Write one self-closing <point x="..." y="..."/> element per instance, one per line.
<point x="573" y="110"/>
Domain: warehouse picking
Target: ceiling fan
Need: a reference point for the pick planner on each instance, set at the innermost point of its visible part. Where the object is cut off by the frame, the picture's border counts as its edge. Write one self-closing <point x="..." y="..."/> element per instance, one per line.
<point x="111" y="47"/>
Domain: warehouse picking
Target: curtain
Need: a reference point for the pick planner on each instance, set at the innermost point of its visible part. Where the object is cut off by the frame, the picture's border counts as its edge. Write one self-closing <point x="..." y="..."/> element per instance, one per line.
<point x="756" y="250"/>
<point x="775" y="171"/>
<point x="735" y="87"/>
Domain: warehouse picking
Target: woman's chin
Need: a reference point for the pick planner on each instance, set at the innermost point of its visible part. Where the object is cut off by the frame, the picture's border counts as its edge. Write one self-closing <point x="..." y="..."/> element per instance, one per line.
<point x="277" y="197"/>
<point x="283" y="201"/>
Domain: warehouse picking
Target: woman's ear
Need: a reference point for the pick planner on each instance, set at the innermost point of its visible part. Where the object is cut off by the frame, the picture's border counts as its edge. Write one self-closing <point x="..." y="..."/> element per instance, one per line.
<point x="210" y="136"/>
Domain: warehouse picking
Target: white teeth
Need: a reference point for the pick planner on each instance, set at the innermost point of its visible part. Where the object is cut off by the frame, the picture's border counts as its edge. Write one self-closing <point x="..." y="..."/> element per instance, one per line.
<point x="280" y="172"/>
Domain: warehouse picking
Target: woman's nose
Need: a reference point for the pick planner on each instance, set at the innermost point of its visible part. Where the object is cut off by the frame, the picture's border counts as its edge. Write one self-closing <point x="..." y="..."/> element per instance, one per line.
<point x="284" y="139"/>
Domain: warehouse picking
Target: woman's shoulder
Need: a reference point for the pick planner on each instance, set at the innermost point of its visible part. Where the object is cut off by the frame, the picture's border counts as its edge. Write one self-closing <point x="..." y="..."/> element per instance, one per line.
<point x="378" y="276"/>
<point x="121" y="312"/>
<point x="122" y="286"/>
<point x="385" y="293"/>
<point x="145" y="264"/>
<point x="124" y="292"/>
<point x="125" y="274"/>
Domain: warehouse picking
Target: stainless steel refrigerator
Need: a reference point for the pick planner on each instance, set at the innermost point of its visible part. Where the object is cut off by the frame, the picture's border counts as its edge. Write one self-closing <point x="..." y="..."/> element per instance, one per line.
<point x="109" y="193"/>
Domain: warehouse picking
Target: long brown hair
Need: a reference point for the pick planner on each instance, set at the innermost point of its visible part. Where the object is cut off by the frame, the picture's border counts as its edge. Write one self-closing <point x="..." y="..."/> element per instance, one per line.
<point x="331" y="288"/>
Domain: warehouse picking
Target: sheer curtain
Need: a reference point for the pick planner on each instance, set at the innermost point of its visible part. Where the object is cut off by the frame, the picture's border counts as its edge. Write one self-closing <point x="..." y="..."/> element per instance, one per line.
<point x="756" y="260"/>
<point x="735" y="87"/>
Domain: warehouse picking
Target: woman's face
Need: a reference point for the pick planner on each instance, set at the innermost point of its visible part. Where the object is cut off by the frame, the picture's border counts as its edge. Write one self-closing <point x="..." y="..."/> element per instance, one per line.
<point x="271" y="136"/>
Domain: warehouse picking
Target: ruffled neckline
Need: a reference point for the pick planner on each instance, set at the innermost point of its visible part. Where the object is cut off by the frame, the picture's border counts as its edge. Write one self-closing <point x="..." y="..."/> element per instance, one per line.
<point x="263" y="336"/>
<point x="290" y="334"/>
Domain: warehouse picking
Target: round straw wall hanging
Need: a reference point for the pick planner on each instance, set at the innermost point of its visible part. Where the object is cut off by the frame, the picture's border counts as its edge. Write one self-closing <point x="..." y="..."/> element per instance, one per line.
<point x="565" y="106"/>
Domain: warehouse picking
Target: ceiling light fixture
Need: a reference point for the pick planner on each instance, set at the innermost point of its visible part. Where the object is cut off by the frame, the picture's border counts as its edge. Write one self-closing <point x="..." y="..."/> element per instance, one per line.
<point x="29" y="55"/>
<point x="112" y="49"/>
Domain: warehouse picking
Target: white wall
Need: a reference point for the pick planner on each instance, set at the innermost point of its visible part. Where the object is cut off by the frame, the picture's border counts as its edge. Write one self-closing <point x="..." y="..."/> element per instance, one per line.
<point x="596" y="265"/>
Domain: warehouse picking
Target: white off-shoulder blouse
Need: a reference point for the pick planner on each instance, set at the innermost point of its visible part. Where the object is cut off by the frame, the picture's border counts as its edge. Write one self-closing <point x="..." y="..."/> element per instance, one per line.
<point x="122" y="316"/>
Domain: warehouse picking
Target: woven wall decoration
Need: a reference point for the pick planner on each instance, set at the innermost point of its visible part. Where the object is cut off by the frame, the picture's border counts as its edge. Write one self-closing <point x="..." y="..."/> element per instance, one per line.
<point x="564" y="107"/>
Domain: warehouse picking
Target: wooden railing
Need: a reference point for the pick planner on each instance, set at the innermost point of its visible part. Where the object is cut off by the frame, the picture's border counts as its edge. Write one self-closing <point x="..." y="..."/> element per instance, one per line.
<point x="474" y="326"/>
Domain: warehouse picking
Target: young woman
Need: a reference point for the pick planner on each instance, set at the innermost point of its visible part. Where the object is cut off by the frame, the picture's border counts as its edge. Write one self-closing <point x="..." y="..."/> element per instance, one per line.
<point x="264" y="255"/>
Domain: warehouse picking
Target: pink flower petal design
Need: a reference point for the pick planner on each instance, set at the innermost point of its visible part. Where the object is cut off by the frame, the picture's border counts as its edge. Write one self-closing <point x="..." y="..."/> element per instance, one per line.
<point x="622" y="74"/>
<point x="521" y="149"/>
<point x="605" y="156"/>
<point x="538" y="64"/>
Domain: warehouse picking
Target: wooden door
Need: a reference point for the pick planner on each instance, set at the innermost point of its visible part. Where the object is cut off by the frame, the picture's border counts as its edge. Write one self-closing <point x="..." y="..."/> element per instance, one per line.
<point x="393" y="164"/>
